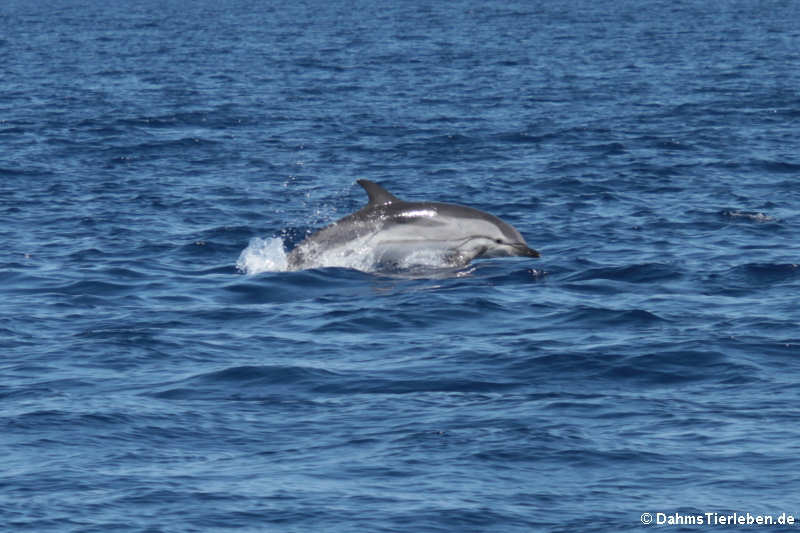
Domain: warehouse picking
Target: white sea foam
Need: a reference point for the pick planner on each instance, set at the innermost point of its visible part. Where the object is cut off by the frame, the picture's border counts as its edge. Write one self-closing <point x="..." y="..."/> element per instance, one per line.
<point x="749" y="215"/>
<point x="263" y="255"/>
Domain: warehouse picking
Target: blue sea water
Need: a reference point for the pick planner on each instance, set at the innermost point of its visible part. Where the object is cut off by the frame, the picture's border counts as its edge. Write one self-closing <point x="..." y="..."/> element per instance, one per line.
<point x="647" y="363"/>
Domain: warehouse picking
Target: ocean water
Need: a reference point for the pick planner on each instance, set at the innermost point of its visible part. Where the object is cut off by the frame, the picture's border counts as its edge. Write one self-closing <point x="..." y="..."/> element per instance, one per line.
<point x="161" y="371"/>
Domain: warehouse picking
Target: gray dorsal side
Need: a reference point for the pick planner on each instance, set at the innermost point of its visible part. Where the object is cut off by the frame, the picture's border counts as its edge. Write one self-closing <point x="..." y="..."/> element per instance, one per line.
<point x="377" y="194"/>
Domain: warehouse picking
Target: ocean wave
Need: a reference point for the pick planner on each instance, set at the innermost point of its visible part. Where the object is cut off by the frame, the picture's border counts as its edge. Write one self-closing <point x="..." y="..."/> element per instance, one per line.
<point x="244" y="381"/>
<point x="585" y="315"/>
<point x="641" y="273"/>
<point x="655" y="365"/>
<point x="762" y="274"/>
<point x="259" y="382"/>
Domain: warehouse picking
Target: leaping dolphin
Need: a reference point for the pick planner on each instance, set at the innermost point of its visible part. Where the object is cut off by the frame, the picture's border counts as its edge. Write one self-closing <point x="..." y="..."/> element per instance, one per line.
<point x="392" y="232"/>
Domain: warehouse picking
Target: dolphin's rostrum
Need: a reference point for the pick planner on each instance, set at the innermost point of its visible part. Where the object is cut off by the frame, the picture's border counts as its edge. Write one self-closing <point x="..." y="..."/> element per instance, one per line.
<point x="389" y="232"/>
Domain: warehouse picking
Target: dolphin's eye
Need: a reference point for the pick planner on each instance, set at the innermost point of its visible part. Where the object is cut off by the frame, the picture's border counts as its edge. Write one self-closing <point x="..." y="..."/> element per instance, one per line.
<point x="499" y="241"/>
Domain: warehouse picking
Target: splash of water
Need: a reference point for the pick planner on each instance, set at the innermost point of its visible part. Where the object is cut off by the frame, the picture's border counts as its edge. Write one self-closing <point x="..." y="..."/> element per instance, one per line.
<point x="263" y="255"/>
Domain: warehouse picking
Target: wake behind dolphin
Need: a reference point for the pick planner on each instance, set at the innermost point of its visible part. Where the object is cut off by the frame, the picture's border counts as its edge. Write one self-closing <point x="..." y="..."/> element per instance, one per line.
<point x="392" y="233"/>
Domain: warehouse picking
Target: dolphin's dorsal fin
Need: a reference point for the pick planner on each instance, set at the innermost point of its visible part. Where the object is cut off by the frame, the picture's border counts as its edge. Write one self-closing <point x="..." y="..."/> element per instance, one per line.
<point x="377" y="194"/>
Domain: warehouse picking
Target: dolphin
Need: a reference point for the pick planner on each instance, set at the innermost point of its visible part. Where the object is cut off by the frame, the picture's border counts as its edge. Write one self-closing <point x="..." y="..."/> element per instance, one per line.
<point x="390" y="232"/>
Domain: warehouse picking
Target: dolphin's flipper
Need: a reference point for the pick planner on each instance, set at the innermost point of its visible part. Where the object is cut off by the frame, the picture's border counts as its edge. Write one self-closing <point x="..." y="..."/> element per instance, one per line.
<point x="377" y="194"/>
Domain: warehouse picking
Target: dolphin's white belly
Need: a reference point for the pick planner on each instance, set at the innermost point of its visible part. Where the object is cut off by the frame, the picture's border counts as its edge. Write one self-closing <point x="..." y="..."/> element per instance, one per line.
<point x="400" y="246"/>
